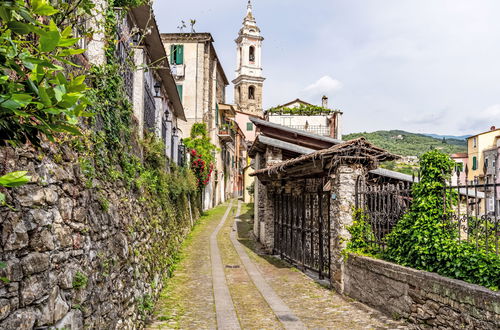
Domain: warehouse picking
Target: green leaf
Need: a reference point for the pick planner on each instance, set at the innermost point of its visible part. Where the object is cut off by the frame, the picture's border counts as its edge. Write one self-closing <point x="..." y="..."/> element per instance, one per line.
<point x="14" y="179"/>
<point x="68" y="42"/>
<point x="66" y="129"/>
<point x="5" y="14"/>
<point x="53" y="111"/>
<point x="22" y="99"/>
<point x="3" y="265"/>
<point x="49" y="41"/>
<point x="43" y="8"/>
<point x="2" y="202"/>
<point x="59" y="91"/>
<point x="68" y="52"/>
<point x="67" y="31"/>
<point x="42" y="92"/>
<point x="5" y="280"/>
<point x="18" y="27"/>
<point x="78" y="80"/>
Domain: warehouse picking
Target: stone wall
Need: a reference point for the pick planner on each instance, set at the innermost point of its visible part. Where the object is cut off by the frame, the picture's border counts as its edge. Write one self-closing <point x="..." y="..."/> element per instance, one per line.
<point x="79" y="253"/>
<point x="425" y="299"/>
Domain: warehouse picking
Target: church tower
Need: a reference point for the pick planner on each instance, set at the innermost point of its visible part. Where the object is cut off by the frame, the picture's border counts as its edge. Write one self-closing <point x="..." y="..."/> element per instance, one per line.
<point x="249" y="81"/>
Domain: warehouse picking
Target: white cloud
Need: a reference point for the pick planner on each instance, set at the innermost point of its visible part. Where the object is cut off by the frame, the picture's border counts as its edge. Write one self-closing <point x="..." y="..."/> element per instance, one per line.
<point x="483" y="120"/>
<point x="324" y="85"/>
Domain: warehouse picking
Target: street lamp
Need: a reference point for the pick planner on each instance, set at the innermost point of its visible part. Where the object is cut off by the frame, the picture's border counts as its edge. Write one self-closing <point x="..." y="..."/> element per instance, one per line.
<point x="157" y="88"/>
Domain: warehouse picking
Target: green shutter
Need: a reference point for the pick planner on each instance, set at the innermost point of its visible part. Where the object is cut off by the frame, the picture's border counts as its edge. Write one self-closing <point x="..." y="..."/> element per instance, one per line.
<point x="180" y="54"/>
<point x="172" y="54"/>
<point x="474" y="163"/>
<point x="216" y="114"/>
<point x="179" y="90"/>
<point x="249" y="127"/>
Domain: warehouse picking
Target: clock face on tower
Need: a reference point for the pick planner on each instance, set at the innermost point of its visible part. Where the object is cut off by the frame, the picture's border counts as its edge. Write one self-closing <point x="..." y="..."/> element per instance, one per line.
<point x="249" y="81"/>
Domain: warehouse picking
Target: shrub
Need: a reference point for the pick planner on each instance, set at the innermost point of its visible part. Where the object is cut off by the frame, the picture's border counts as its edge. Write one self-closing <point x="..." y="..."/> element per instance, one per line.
<point x="424" y="239"/>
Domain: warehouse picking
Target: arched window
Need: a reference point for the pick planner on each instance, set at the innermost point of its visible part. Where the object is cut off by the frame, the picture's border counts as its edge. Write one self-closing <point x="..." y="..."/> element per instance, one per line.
<point x="251" y="55"/>
<point x="239" y="94"/>
<point x="251" y="93"/>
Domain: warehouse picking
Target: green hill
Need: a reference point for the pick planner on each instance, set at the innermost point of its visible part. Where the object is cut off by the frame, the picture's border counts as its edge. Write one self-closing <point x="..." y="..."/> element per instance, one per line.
<point x="409" y="144"/>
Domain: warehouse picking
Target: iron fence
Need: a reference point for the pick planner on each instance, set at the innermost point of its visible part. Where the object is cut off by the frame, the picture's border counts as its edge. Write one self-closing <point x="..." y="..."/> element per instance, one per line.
<point x="471" y="211"/>
<point x="302" y="227"/>
<point x="181" y="155"/>
<point x="382" y="205"/>
<point x="475" y="217"/>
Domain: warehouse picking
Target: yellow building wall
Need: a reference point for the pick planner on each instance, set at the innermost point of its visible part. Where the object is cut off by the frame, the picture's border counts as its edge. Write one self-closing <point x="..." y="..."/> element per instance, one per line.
<point x="484" y="142"/>
<point x="249" y="180"/>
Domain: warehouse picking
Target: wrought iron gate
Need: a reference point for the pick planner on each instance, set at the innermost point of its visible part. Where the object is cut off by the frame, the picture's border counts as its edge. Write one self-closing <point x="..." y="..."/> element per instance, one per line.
<point x="302" y="227"/>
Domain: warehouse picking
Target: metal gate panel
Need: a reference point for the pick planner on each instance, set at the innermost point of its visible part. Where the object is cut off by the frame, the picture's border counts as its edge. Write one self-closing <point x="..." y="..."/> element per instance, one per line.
<point x="302" y="227"/>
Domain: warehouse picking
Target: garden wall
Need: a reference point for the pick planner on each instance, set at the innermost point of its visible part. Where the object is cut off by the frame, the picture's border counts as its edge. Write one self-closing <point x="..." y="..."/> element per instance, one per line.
<point x="426" y="299"/>
<point x="79" y="252"/>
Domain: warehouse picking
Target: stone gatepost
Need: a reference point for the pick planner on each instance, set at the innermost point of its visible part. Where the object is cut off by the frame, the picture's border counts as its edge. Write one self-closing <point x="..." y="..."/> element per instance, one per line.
<point x="343" y="183"/>
<point x="267" y="224"/>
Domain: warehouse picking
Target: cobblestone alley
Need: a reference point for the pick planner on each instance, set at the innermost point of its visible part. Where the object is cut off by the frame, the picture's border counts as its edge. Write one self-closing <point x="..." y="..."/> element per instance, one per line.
<point x="223" y="282"/>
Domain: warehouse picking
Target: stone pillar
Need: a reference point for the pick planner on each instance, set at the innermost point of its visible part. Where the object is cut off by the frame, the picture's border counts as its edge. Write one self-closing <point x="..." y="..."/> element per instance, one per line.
<point x="159" y="104"/>
<point x="267" y="224"/>
<point x="257" y="184"/>
<point x="343" y="183"/>
<point x="96" y="47"/>
<point x="138" y="95"/>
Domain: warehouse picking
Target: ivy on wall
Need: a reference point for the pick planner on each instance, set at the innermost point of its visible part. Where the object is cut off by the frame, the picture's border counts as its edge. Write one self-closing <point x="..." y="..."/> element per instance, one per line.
<point x="423" y="239"/>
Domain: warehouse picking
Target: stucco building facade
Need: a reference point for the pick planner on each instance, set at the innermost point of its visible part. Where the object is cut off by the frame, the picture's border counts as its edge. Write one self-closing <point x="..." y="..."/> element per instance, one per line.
<point x="201" y="83"/>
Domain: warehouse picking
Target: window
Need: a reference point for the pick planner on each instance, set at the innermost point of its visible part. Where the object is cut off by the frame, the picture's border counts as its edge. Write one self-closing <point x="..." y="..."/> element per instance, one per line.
<point x="177" y="54"/>
<point x="249" y="127"/>
<point x="251" y="93"/>
<point x="251" y="54"/>
<point x="474" y="163"/>
<point x="179" y="90"/>
<point x="474" y="142"/>
<point x="239" y="94"/>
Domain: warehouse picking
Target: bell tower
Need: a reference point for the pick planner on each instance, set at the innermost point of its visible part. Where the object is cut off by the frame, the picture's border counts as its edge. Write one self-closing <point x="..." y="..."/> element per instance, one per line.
<point x="249" y="81"/>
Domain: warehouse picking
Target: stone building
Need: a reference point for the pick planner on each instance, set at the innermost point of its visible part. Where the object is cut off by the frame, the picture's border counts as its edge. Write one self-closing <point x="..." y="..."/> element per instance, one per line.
<point x="201" y="82"/>
<point x="307" y="117"/>
<point x="249" y="81"/>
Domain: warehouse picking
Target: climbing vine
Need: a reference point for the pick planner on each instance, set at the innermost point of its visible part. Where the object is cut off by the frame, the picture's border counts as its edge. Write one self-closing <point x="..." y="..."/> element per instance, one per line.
<point x="202" y="154"/>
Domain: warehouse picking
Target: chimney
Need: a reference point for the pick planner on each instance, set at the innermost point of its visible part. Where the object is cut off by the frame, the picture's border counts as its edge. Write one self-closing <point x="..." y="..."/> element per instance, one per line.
<point x="324" y="102"/>
<point x="493" y="128"/>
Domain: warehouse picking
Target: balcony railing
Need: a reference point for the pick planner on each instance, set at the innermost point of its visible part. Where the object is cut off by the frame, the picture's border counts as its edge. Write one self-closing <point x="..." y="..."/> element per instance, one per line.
<point x="315" y="129"/>
<point x="226" y="134"/>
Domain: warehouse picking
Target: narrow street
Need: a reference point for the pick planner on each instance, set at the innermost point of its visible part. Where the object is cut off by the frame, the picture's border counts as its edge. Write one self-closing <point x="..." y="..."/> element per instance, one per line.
<point x="223" y="282"/>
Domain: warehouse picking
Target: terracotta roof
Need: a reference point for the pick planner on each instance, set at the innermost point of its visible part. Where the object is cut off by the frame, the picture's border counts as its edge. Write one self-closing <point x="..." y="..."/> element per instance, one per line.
<point x="460" y="155"/>
<point x="493" y="130"/>
<point x="357" y="148"/>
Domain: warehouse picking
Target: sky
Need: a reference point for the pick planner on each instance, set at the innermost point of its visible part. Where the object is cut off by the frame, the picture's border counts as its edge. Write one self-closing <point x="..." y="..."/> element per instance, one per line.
<point x="425" y="66"/>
